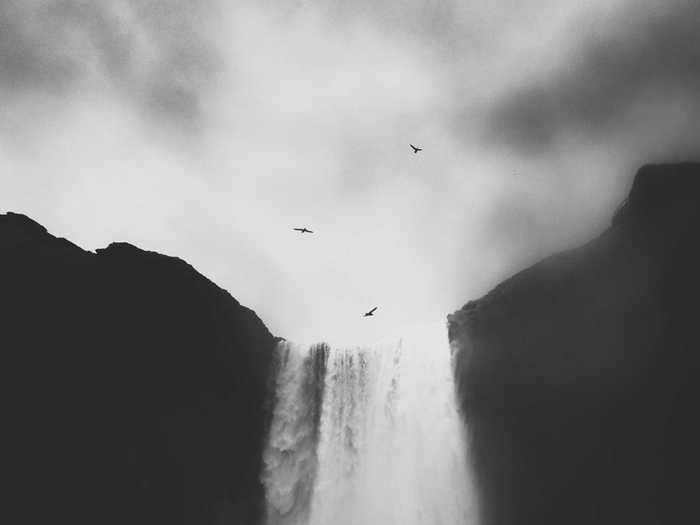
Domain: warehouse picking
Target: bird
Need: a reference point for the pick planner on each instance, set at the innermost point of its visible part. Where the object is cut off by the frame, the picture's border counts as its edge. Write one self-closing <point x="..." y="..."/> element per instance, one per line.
<point x="302" y="230"/>
<point x="370" y="313"/>
<point x="415" y="149"/>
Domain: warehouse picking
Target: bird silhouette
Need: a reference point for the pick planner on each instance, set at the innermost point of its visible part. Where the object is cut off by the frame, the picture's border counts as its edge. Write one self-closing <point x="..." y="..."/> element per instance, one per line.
<point x="415" y="149"/>
<point x="302" y="230"/>
<point x="370" y="313"/>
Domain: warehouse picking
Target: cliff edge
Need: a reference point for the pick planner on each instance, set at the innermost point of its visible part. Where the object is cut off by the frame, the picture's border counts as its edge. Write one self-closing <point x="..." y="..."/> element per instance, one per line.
<point x="578" y="376"/>
<point x="136" y="386"/>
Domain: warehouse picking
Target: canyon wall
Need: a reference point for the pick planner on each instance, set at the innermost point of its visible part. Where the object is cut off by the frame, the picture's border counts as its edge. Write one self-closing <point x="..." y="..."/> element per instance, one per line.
<point x="135" y="386"/>
<point x="578" y="376"/>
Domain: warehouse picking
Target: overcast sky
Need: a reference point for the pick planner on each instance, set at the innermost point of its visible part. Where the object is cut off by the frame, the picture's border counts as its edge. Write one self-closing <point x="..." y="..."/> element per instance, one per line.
<point x="208" y="130"/>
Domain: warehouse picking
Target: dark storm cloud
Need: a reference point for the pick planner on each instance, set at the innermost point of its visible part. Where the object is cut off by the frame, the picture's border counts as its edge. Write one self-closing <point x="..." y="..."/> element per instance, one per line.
<point x="648" y="56"/>
<point x="153" y="52"/>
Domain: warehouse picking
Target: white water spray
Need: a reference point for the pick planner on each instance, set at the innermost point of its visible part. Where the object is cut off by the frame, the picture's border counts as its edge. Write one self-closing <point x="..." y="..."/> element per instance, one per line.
<point x="368" y="436"/>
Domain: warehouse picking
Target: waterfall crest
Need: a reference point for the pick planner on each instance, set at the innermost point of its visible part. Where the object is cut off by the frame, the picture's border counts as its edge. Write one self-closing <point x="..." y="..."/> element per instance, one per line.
<point x="365" y="436"/>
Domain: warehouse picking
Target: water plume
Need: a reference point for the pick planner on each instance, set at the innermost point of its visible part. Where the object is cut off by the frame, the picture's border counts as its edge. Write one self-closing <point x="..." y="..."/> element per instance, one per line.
<point x="368" y="435"/>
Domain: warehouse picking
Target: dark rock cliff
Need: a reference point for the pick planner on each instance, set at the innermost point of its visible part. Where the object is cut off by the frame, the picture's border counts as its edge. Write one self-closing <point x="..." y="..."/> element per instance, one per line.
<point x="579" y="375"/>
<point x="135" y="386"/>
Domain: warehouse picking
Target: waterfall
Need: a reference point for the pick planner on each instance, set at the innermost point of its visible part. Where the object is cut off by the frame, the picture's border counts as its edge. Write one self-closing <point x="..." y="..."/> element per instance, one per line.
<point x="367" y="436"/>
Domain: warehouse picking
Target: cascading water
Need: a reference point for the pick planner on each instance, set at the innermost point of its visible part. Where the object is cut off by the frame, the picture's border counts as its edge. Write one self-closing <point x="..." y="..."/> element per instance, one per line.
<point x="367" y="436"/>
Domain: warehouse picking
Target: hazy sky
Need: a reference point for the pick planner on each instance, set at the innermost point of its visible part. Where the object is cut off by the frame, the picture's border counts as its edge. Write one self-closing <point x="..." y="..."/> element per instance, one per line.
<point x="208" y="130"/>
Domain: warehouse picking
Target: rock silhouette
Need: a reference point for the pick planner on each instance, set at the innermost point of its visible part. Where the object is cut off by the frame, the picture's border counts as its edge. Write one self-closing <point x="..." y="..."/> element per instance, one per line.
<point x="136" y="386"/>
<point x="579" y="375"/>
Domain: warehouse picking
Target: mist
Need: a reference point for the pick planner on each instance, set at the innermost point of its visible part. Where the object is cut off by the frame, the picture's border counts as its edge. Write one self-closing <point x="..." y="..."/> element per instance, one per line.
<point x="209" y="130"/>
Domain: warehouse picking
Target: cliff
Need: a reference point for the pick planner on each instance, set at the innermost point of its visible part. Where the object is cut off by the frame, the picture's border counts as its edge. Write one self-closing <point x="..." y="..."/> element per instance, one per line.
<point x="578" y="376"/>
<point x="136" y="386"/>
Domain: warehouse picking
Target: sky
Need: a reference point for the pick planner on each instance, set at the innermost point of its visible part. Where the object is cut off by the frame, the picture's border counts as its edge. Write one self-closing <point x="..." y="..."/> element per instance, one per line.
<point x="209" y="129"/>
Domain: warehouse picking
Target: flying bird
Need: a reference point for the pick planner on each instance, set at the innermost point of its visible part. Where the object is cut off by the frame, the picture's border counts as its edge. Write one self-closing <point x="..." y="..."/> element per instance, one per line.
<point x="370" y="313"/>
<point x="302" y="230"/>
<point x="415" y="149"/>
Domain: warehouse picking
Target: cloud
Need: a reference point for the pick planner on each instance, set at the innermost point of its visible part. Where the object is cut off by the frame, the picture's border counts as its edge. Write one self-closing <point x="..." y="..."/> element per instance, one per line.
<point x="303" y="112"/>
<point x="645" y="60"/>
<point x="154" y="53"/>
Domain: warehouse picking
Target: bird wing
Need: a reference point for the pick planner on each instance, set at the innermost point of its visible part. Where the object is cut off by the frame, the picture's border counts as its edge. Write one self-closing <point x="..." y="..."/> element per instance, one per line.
<point x="298" y="229"/>
<point x="372" y="310"/>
